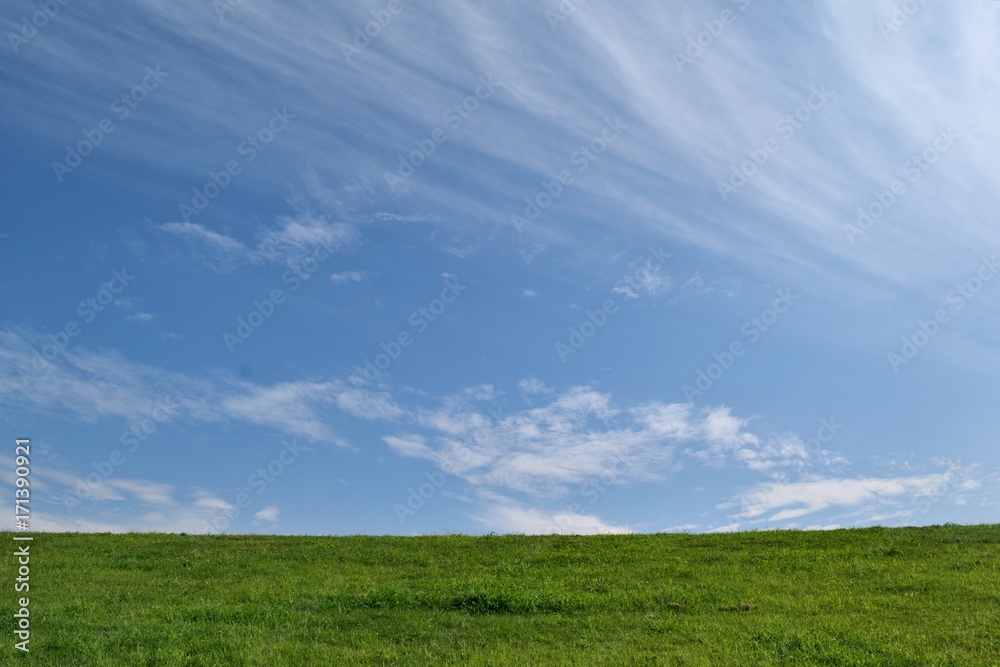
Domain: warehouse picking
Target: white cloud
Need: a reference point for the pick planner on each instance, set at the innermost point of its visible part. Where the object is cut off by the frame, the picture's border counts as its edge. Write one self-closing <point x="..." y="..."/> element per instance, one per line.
<point x="412" y="446"/>
<point x="349" y="277"/>
<point x="83" y="384"/>
<point x="786" y="452"/>
<point x="366" y="404"/>
<point x="141" y="318"/>
<point x="296" y="239"/>
<point x="301" y="236"/>
<point x="197" y="233"/>
<point x="695" y="285"/>
<point x="797" y="499"/>
<point x="45" y="523"/>
<point x="49" y="478"/>
<point x="511" y="518"/>
<point x="145" y="491"/>
<point x="625" y="291"/>
<point x="180" y="519"/>
<point x="269" y="513"/>
<point x="210" y="502"/>
<point x="90" y="386"/>
<point x="117" y="506"/>
<point x="728" y="528"/>
<point x="653" y="281"/>
<point x="580" y="435"/>
<point x="576" y="436"/>
<point x="532" y="385"/>
<point x="682" y="528"/>
<point x="288" y="406"/>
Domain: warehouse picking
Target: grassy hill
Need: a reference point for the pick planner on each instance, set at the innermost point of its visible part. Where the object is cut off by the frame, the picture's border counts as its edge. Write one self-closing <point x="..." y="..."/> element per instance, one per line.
<point x="875" y="596"/>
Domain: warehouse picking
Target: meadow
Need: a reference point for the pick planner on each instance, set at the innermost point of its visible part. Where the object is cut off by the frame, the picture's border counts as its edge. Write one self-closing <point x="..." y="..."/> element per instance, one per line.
<point x="873" y="596"/>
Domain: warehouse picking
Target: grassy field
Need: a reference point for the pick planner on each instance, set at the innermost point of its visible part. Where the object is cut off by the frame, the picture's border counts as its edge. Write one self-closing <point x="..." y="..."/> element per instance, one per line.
<point x="876" y="596"/>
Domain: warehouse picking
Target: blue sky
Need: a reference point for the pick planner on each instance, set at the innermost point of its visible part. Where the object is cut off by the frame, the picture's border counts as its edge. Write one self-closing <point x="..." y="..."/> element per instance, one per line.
<point x="382" y="267"/>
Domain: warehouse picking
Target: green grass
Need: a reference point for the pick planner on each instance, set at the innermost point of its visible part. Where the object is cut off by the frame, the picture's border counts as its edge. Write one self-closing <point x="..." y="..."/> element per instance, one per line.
<point x="875" y="596"/>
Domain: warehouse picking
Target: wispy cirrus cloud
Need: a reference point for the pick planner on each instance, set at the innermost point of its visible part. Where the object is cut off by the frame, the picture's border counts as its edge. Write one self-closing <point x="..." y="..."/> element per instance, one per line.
<point x="141" y="317"/>
<point x="688" y="130"/>
<point x="88" y="386"/>
<point x="206" y="237"/>
<point x="293" y="240"/>
<point x="348" y="277"/>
